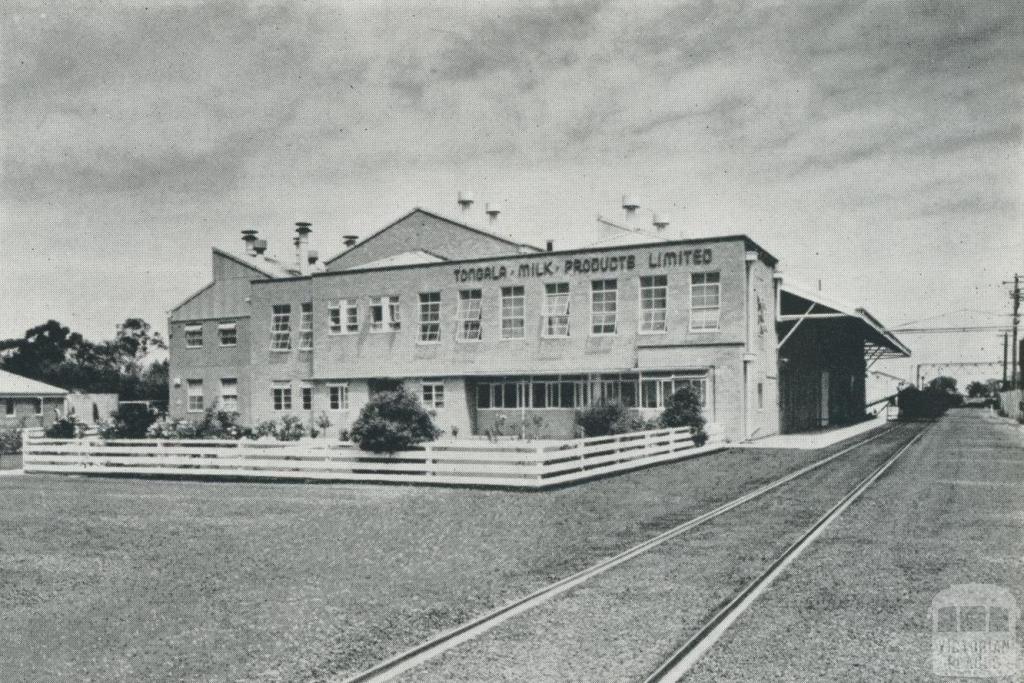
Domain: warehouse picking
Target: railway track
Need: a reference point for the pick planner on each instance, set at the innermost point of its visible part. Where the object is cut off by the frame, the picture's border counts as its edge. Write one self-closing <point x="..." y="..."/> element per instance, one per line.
<point x="684" y="657"/>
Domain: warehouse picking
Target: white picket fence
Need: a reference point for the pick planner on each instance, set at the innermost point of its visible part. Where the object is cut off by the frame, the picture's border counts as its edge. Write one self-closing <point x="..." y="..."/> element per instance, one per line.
<point x="511" y="464"/>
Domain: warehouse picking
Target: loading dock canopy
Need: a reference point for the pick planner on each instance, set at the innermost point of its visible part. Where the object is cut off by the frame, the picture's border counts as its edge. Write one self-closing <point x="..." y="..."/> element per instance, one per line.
<point x="796" y="305"/>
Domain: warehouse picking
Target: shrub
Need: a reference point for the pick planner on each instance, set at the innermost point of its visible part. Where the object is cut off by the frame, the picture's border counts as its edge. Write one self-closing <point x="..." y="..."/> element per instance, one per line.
<point x="10" y="439"/>
<point x="682" y="409"/>
<point x="291" y="429"/>
<point x="608" y="417"/>
<point x="264" y="429"/>
<point x="392" y="421"/>
<point x="65" y="428"/>
<point x="129" y="422"/>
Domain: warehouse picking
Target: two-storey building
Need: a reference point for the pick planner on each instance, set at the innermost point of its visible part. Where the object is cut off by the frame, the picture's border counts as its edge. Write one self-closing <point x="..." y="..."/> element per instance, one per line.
<point x="485" y="330"/>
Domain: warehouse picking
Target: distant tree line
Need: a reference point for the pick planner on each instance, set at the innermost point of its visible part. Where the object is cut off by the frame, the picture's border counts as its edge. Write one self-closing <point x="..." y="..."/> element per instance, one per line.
<point x="53" y="354"/>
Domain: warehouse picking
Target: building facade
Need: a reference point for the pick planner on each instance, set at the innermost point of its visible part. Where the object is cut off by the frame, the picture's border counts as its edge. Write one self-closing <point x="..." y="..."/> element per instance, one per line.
<point x="488" y="332"/>
<point x="29" y="403"/>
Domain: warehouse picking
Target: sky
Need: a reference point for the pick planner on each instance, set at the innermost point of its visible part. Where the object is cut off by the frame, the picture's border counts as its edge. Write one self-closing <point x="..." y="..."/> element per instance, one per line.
<point x="876" y="147"/>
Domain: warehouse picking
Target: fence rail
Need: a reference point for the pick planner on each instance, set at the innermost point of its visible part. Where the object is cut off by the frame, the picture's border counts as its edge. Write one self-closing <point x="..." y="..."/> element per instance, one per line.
<point x="513" y="465"/>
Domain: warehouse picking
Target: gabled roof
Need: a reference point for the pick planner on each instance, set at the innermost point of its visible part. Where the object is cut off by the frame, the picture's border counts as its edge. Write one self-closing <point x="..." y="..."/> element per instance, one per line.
<point x="407" y="258"/>
<point x="16" y="385"/>
<point x="263" y="264"/>
<point x="453" y="221"/>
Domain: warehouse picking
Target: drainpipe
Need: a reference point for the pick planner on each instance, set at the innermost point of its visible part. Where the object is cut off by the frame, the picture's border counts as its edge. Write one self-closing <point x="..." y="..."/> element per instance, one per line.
<point x="748" y="355"/>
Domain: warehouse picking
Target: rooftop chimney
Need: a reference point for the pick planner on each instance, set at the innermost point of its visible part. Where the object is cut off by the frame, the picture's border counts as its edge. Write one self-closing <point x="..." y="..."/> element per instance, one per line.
<point x="492" y="210"/>
<point x="249" y="236"/>
<point x="350" y="240"/>
<point x="659" y="223"/>
<point x="630" y="204"/>
<point x="312" y="256"/>
<point x="302" y="231"/>
<point x="550" y="245"/>
<point x="258" y="247"/>
<point x="465" y="201"/>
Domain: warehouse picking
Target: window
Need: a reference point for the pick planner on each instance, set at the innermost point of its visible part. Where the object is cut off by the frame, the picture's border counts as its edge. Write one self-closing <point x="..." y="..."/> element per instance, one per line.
<point x="306" y="327"/>
<point x="281" y="328"/>
<point x="760" y="396"/>
<point x="705" y="298"/>
<point x="228" y="333"/>
<point x="384" y="314"/>
<point x="471" y="315"/>
<point x="193" y="336"/>
<point x="433" y="396"/>
<point x="654" y="391"/>
<point x="195" y="395"/>
<point x="556" y="310"/>
<point x="512" y="312"/>
<point x="229" y="394"/>
<point x="282" y="395"/>
<point x="307" y="397"/>
<point x="338" y="396"/>
<point x="430" y="317"/>
<point x="603" y="306"/>
<point x="344" y="317"/>
<point x="9" y="410"/>
<point x="653" y="298"/>
<point x="38" y="403"/>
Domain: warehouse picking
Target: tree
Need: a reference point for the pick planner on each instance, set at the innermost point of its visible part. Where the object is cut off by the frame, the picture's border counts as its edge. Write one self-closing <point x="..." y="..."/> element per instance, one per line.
<point x="979" y="390"/>
<point x="393" y="421"/>
<point x="944" y="384"/>
<point x="52" y="353"/>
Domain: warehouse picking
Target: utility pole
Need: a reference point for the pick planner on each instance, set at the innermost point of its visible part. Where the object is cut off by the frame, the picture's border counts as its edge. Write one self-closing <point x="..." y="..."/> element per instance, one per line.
<point x="1016" y="320"/>
<point x="1006" y="356"/>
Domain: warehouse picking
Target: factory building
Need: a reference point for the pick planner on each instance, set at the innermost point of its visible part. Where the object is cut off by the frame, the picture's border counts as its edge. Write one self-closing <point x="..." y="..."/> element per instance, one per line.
<point x="486" y="330"/>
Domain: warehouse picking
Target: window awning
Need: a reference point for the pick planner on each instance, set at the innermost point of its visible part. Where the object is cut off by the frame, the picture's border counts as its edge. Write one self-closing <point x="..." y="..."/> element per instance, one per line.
<point x="796" y="305"/>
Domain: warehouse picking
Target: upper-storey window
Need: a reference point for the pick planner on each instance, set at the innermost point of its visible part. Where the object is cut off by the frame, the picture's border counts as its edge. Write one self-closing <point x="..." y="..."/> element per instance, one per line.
<point x="653" y="299"/>
<point x="384" y="315"/>
<point x="513" y="319"/>
<point x="470" y="315"/>
<point x="344" y="317"/>
<point x="556" y="310"/>
<point x="306" y="327"/>
<point x="194" y="336"/>
<point x="281" y="328"/>
<point x="228" y="334"/>
<point x="705" y="301"/>
<point x="430" y="317"/>
<point x="603" y="306"/>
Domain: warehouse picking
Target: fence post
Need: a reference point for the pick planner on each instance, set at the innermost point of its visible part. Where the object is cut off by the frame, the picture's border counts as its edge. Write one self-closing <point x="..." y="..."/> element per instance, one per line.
<point x="24" y="447"/>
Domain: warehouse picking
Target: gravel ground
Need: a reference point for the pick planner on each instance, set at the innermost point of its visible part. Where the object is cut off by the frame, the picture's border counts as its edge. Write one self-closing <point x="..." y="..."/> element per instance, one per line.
<point x="855" y="606"/>
<point x="133" y="579"/>
<point x="622" y="624"/>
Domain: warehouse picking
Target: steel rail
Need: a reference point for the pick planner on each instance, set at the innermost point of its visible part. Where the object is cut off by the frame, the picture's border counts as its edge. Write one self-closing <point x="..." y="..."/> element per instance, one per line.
<point x="689" y="653"/>
<point x="413" y="657"/>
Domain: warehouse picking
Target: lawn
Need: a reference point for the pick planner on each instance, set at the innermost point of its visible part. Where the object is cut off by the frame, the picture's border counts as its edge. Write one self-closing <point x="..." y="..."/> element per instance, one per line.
<point x="129" y="579"/>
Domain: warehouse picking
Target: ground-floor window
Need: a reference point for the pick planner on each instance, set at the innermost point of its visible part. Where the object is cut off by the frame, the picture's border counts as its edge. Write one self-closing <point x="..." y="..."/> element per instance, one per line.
<point x="338" y="396"/>
<point x="633" y="390"/>
<point x="195" y="395"/>
<point x="282" y="395"/>
<point x="433" y="395"/>
<point x="9" y="409"/>
<point x="229" y="394"/>
<point x="307" y="397"/>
